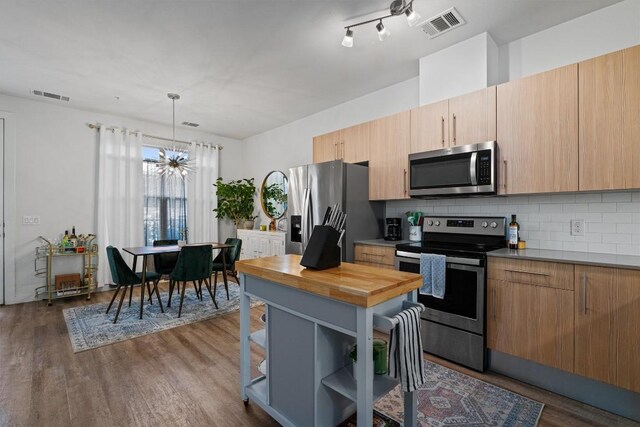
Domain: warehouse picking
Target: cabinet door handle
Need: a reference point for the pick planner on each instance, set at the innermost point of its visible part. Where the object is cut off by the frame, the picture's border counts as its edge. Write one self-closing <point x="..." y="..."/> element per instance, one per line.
<point x="526" y="272"/>
<point x="454" y="129"/>
<point x="584" y="293"/>
<point x="405" y="181"/>
<point x="442" y="129"/>
<point x="493" y="297"/>
<point x="336" y="151"/>
<point x="504" y="175"/>
<point x="370" y="254"/>
<point x="342" y="150"/>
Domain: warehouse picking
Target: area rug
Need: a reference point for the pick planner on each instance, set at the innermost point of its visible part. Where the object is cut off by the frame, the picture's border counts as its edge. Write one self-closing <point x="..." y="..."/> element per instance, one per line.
<point x="450" y="398"/>
<point x="89" y="327"/>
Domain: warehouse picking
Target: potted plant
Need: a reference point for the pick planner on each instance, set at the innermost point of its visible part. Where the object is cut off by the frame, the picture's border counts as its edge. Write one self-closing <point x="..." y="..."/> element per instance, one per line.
<point x="275" y="199"/>
<point x="235" y="200"/>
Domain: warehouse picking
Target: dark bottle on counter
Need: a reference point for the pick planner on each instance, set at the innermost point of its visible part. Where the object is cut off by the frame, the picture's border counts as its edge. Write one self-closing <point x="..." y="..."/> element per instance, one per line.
<point x="514" y="233"/>
<point x="73" y="239"/>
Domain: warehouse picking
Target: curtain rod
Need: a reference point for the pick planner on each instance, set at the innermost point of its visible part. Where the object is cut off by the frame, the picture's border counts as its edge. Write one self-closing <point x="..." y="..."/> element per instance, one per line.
<point x="144" y="135"/>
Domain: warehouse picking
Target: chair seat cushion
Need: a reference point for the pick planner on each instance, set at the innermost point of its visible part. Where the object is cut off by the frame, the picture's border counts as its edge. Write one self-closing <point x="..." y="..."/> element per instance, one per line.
<point x="150" y="276"/>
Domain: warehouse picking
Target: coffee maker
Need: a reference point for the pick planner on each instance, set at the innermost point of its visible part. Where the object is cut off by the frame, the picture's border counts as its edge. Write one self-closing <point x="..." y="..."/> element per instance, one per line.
<point x="393" y="229"/>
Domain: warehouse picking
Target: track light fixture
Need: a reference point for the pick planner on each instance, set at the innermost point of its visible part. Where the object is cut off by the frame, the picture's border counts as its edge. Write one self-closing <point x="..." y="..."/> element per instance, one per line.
<point x="396" y="8"/>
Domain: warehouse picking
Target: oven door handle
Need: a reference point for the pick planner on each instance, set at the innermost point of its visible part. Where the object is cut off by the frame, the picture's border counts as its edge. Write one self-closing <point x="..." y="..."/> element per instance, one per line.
<point x="415" y="259"/>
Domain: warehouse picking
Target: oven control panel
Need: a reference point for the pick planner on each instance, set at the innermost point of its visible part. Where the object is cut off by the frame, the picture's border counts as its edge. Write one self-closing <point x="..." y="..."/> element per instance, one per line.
<point x="488" y="226"/>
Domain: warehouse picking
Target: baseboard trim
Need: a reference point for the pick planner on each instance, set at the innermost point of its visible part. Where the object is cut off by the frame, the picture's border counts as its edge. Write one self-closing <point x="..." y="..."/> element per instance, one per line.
<point x="595" y="393"/>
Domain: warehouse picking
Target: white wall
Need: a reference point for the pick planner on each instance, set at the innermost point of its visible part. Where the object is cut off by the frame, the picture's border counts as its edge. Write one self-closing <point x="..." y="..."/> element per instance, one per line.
<point x="292" y="145"/>
<point x="606" y="30"/>
<point x="462" y="68"/>
<point x="55" y="160"/>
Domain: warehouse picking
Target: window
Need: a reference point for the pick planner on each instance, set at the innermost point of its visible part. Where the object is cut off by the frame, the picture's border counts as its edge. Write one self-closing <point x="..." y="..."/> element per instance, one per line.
<point x="165" y="201"/>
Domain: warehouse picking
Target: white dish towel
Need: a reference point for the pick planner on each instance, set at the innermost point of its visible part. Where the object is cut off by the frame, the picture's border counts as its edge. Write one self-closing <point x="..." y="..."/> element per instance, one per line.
<point x="433" y="268"/>
<point x="405" y="350"/>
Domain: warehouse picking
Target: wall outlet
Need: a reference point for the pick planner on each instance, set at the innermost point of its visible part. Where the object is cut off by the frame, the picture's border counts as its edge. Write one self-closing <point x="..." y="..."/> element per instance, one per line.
<point x="577" y="227"/>
<point x="30" y="220"/>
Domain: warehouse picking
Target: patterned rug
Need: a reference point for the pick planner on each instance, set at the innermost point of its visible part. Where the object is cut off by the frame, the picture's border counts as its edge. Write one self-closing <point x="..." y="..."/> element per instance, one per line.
<point x="451" y="398"/>
<point x="89" y="327"/>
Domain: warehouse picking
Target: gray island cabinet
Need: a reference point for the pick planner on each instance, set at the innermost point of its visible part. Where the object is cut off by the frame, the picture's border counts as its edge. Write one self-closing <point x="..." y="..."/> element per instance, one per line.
<point x="313" y="319"/>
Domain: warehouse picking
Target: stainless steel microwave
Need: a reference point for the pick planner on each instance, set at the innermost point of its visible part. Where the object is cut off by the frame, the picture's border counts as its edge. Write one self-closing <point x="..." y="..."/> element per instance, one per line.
<point x="467" y="170"/>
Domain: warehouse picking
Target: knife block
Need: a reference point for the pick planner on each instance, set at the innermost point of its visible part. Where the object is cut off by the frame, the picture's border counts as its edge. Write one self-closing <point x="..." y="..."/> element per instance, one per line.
<point x="323" y="251"/>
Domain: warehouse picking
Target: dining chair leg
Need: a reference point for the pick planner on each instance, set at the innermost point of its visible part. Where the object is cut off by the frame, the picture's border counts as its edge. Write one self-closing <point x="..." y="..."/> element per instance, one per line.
<point x="213" y="298"/>
<point x="149" y="293"/>
<point x="120" y="303"/>
<point x="215" y="283"/>
<point x="130" y="295"/>
<point x="196" y="288"/>
<point x="226" y="288"/>
<point x="171" y="286"/>
<point x="155" y="288"/>
<point x="114" y="298"/>
<point x="184" y="286"/>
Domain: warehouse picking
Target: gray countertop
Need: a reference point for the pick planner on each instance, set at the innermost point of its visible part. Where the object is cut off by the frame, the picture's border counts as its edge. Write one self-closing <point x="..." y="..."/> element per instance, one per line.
<point x="588" y="258"/>
<point x="381" y="242"/>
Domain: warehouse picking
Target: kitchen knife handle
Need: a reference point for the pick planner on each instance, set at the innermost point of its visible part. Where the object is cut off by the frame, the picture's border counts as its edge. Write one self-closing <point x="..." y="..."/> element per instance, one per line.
<point x="454" y="129"/>
<point x="584" y="293"/>
<point x="442" y="129"/>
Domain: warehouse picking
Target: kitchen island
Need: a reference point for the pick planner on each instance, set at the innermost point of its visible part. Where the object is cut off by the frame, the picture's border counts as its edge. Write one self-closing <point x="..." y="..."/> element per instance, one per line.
<point x="313" y="319"/>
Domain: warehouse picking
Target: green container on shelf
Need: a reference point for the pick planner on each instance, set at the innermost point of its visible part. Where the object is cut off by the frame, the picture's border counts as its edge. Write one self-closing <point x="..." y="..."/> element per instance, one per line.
<point x="380" y="364"/>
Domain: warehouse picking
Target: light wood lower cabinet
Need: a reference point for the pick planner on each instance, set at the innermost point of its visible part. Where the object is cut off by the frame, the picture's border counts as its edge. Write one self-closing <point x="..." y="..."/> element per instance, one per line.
<point x="376" y="256"/>
<point x="607" y="325"/>
<point x="531" y="322"/>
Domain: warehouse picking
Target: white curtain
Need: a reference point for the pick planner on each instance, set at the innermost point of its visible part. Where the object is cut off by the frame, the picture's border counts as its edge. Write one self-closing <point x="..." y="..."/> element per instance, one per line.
<point x="120" y="194"/>
<point x="201" y="194"/>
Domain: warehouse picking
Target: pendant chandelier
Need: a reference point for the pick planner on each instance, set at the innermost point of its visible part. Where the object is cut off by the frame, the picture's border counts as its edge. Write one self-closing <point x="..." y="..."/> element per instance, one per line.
<point x="174" y="163"/>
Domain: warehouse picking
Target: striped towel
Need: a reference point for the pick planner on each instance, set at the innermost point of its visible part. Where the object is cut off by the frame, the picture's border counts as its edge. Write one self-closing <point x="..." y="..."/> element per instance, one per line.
<point x="405" y="350"/>
<point x="433" y="268"/>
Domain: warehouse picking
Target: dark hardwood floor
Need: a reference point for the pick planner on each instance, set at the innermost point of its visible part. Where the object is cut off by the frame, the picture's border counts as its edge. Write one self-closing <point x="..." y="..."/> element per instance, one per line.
<point x="183" y="376"/>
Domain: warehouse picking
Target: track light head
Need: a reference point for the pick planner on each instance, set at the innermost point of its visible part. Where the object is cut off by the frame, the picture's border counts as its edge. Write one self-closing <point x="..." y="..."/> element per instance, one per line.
<point x="412" y="16"/>
<point x="347" y="41"/>
<point x="383" y="32"/>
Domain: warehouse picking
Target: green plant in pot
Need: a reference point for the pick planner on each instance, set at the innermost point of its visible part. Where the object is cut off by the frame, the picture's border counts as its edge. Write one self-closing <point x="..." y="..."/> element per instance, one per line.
<point x="236" y="200"/>
<point x="275" y="199"/>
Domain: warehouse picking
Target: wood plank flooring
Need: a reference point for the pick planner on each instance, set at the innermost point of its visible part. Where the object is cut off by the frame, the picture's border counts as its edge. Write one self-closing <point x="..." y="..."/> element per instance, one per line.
<point x="186" y="376"/>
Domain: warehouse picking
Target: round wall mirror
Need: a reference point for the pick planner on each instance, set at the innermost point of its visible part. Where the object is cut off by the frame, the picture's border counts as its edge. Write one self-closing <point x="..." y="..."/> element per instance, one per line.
<point x="273" y="195"/>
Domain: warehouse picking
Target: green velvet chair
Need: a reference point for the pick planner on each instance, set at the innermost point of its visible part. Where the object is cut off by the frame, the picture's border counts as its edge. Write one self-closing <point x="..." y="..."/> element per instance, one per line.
<point x="231" y="255"/>
<point x="193" y="265"/>
<point x="124" y="276"/>
<point x="165" y="263"/>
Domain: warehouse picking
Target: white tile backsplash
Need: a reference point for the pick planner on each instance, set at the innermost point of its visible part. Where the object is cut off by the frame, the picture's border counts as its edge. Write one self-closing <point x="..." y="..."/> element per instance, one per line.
<point x="612" y="218"/>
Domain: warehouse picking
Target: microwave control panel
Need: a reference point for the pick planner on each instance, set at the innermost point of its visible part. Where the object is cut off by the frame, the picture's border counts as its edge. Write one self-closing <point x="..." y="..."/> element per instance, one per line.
<point x="484" y="167"/>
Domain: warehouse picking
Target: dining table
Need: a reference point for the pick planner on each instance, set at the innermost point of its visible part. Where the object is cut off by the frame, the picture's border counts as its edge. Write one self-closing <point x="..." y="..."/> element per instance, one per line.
<point x="146" y="251"/>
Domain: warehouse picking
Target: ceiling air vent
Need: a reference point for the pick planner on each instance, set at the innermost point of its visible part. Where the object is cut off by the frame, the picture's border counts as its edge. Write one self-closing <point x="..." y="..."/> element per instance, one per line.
<point x="50" y="95"/>
<point x="193" y="125"/>
<point x="441" y="23"/>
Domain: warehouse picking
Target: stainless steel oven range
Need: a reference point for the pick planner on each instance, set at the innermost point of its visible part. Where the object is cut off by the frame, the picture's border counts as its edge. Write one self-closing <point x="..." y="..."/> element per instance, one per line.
<point x="454" y="327"/>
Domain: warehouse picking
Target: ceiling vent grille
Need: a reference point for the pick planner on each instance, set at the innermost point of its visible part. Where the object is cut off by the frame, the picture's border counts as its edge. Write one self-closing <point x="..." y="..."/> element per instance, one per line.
<point x="442" y="22"/>
<point x="193" y="125"/>
<point x="50" y="95"/>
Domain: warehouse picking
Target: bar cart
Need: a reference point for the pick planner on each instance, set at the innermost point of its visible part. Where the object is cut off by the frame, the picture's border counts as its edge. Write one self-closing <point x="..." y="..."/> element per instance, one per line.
<point x="48" y="252"/>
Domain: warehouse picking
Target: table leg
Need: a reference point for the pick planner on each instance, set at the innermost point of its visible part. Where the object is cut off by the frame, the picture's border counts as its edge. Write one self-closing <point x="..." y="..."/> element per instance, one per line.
<point x="245" y="356"/>
<point x="224" y="272"/>
<point x="144" y="278"/>
<point x="135" y="263"/>
<point x="364" y="367"/>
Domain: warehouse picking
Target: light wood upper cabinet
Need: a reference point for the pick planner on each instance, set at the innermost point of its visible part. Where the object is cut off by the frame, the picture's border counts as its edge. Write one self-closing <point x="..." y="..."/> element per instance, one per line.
<point x="531" y="322"/>
<point x="354" y="143"/>
<point x="631" y="110"/>
<point x="601" y="141"/>
<point x="325" y="147"/>
<point x="429" y="127"/>
<point x="389" y="157"/>
<point x="537" y="133"/>
<point x="472" y="117"/>
<point x="607" y="312"/>
<point x="350" y="144"/>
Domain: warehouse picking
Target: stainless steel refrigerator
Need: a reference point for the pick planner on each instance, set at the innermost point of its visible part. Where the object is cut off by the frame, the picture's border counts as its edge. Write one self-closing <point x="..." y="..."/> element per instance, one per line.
<point x="313" y="188"/>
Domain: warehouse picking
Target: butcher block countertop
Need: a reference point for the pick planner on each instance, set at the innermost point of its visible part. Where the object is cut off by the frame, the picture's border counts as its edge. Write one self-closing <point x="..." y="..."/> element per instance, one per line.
<point x="355" y="284"/>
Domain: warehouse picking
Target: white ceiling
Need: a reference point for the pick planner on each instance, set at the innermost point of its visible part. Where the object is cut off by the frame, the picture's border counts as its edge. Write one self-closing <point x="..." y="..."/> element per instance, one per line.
<point x="241" y="67"/>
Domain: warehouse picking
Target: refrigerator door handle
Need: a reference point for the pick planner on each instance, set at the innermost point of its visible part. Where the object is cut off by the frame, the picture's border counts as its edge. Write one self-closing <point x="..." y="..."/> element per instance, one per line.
<point x="305" y="218"/>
